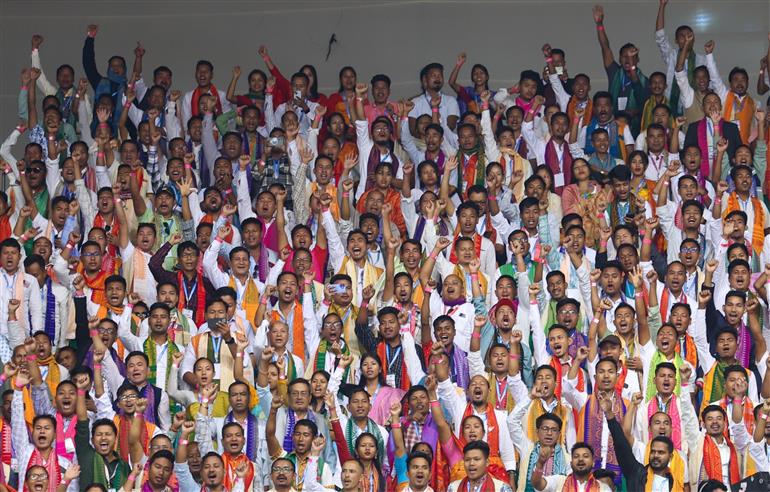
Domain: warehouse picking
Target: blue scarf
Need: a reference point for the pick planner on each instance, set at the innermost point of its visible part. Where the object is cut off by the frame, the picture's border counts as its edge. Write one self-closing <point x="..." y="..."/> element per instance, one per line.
<point x="251" y="434"/>
<point x="556" y="465"/>
<point x="50" y="311"/>
<point x="291" y="420"/>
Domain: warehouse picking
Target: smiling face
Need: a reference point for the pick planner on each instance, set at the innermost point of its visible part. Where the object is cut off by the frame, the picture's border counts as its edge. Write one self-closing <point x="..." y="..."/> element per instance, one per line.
<point x="714" y="423"/>
<point x="444" y="332"/>
<point x="103" y="439"/>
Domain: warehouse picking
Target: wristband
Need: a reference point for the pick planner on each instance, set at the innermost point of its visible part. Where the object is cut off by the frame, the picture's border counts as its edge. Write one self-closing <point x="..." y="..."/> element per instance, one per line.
<point x="533" y="302"/>
<point x="531" y="111"/>
<point x="325" y="302"/>
<point x="603" y="244"/>
<point x="184" y="442"/>
<point x="595" y="321"/>
<point x="737" y="401"/>
<point x="308" y="282"/>
<point x="130" y="306"/>
<point x="31" y="357"/>
<point x="98" y="366"/>
<point x="549" y="59"/>
<point x="485" y="106"/>
<point x="395" y="425"/>
<point x="763" y="416"/>
<point x="100" y="155"/>
<point x="21" y="128"/>
<point x="81" y="392"/>
<point x="239" y="354"/>
<point x="639" y="294"/>
<point x="433" y="254"/>
<point x="364" y="305"/>
<point x="103" y="124"/>
<point x="2" y="378"/>
<point x="600" y="215"/>
<point x="593" y="284"/>
<point x="219" y="239"/>
<point x="176" y="366"/>
<point x="434" y="404"/>
<point x="51" y="138"/>
<point x="188" y="166"/>
<point x="475" y="277"/>
<point x="263" y="301"/>
<point x="127" y="105"/>
<point x="427" y="289"/>
<point x="643" y="232"/>
<point x="717" y="201"/>
<point x="131" y="477"/>
<point x="515" y="356"/>
<point x="80" y="293"/>
<point x="647" y="241"/>
<point x="599" y="27"/>
<point x="77" y="96"/>
<point x="205" y="401"/>
<point x="684" y="384"/>
<point x="317" y="118"/>
<point x="492" y="198"/>
<point x="324" y="209"/>
<point x="434" y="110"/>
<point x="23" y="237"/>
<point x="345" y="194"/>
<point x="18" y="385"/>
<point x="476" y="336"/>
<point x="24" y="88"/>
<point x="282" y="378"/>
<point x="269" y="90"/>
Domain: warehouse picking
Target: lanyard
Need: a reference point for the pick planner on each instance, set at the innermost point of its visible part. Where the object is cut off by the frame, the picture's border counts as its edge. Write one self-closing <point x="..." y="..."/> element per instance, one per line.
<point x="392" y="359"/>
<point x="502" y="393"/>
<point x="188" y="294"/>
<point x="162" y="353"/>
<point x="216" y="342"/>
<point x="9" y="284"/>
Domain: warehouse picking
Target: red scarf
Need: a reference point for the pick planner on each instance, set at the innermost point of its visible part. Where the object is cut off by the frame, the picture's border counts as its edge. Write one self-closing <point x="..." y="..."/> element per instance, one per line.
<point x="200" y="297"/>
<point x="476" y="247"/>
<point x="557" y="365"/>
<point x="383" y="355"/>
<point x="5" y="443"/>
<point x="664" y="300"/>
<point x="488" y="485"/>
<point x="493" y="439"/>
<point x="620" y="384"/>
<point x="51" y="466"/>
<point x="114" y="230"/>
<point x="197" y="93"/>
<point x="124" y="425"/>
<point x="559" y="167"/>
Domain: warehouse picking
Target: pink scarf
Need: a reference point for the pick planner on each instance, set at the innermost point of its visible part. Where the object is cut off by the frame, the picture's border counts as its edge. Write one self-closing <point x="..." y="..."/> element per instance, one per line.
<point x="269" y="235"/>
<point x="706" y="163"/>
<point x="672" y="409"/>
<point x="63" y="434"/>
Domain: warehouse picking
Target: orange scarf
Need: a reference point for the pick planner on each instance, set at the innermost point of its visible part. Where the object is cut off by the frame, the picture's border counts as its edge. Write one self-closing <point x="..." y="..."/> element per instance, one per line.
<point x="571" y="485"/>
<point x="297" y="327"/>
<point x="557" y="365"/>
<point x="114" y="229"/>
<point x="587" y="114"/>
<point x="122" y="446"/>
<point x="712" y="461"/>
<point x="741" y="113"/>
<point x="231" y="463"/>
<point x="692" y="352"/>
<point x="334" y="206"/>
<point x="54" y="376"/>
<point x="196" y="95"/>
<point x="95" y="283"/>
<point x="758" y="229"/>
<point x="29" y="409"/>
<point x="748" y="415"/>
<point x="477" y="240"/>
<point x="493" y="436"/>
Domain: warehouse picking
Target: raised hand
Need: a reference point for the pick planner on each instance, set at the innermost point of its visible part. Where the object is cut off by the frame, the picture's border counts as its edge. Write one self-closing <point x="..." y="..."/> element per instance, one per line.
<point x="72" y="472"/>
<point x="361" y="89"/>
<point x="685" y="372"/>
<point x="598" y="12"/>
<point x="709" y="47"/>
<point x="442" y="243"/>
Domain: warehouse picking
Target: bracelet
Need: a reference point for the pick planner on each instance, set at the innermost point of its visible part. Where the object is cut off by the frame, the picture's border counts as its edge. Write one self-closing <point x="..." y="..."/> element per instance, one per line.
<point x="763" y="416"/>
<point x="717" y="201"/>
<point x="2" y="378"/>
<point x="345" y="194"/>
<point x="18" y="385"/>
<point x="434" y="404"/>
<point x="263" y="301"/>
<point x="434" y="110"/>
<point x="475" y="277"/>
<point x="533" y="302"/>
<point x="603" y="244"/>
<point x="184" y="442"/>
<point x="324" y="209"/>
<point x="176" y="366"/>
<point x="600" y="215"/>
<point x="492" y="198"/>
<point x="476" y="336"/>
<point x="130" y="306"/>
<point x="282" y="378"/>
<point x="325" y="302"/>
<point x="433" y="254"/>
<point x="514" y="356"/>
<point x="531" y="111"/>
<point x="269" y="90"/>
<point x="638" y="294"/>
<point x="51" y="138"/>
<point x="684" y="384"/>
<point x="81" y="392"/>
<point x="737" y="401"/>
<point x="308" y="282"/>
<point x="127" y="105"/>
<point x="427" y="289"/>
<point x="395" y="425"/>
<point x="31" y="357"/>
<point x="205" y="401"/>
<point x="100" y="155"/>
<point x="647" y="241"/>
<point x="599" y="27"/>
<point x="23" y="237"/>
<point x="239" y="355"/>
<point x="188" y="166"/>
<point x="485" y="106"/>
<point x="642" y="232"/>
<point x="98" y="366"/>
<point x="317" y="118"/>
<point x="131" y="477"/>
<point x="103" y="124"/>
<point x="364" y="305"/>
<point x="24" y="88"/>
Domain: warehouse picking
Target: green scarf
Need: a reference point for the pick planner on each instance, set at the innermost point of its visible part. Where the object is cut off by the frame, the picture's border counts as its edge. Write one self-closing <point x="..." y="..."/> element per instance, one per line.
<point x="657" y="358"/>
<point x="117" y="479"/>
<point x="371" y="428"/>
<point x="320" y="357"/>
<point x="149" y="349"/>
<point x="616" y="87"/>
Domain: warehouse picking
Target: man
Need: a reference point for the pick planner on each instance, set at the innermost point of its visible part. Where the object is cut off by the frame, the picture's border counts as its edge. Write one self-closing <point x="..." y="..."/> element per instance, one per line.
<point x="581" y="477"/>
<point x="65" y="78"/>
<point x="657" y="473"/>
<point x="432" y="80"/>
<point x="739" y="107"/>
<point x="204" y="73"/>
<point x="476" y="460"/>
<point x="619" y="142"/>
<point x="302" y="439"/>
<point x="627" y="83"/>
<point x="712" y="454"/>
<point x="181" y="327"/>
<point x="212" y="468"/>
<point x="56" y="308"/>
<point x="706" y="133"/>
<point x="21" y="286"/>
<point x="114" y="83"/>
<point x="757" y="215"/>
<point x="554" y="151"/>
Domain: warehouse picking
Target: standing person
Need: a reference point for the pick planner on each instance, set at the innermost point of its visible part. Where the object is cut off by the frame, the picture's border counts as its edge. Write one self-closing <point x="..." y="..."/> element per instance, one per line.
<point x="581" y="478"/>
<point x="476" y="460"/>
<point x="432" y="100"/>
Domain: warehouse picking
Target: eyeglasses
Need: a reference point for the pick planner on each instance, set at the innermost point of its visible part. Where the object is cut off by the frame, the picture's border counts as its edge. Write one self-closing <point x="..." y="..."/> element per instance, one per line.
<point x="128" y="397"/>
<point x="89" y="255"/>
<point x="283" y="469"/>
<point x="549" y="430"/>
<point x="380" y="129"/>
<point x="691" y="249"/>
<point x="142" y="314"/>
<point x="567" y="311"/>
<point x="34" y="170"/>
<point x="107" y="331"/>
<point x="38" y="476"/>
<point x="333" y="324"/>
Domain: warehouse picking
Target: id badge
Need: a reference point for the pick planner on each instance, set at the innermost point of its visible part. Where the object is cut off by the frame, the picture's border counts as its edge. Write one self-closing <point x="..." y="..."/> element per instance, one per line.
<point x="188" y="313"/>
<point x="391" y="380"/>
<point x="218" y="371"/>
<point x="558" y="180"/>
<point x="69" y="445"/>
<point x="622" y="103"/>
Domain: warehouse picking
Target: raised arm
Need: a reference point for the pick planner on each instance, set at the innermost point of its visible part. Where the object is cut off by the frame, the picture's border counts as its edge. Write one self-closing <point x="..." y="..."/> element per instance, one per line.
<point x="604" y="42"/>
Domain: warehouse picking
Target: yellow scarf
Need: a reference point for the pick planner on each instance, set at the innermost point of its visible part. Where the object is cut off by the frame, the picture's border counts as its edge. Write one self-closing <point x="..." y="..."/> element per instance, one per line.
<point x="675" y="467"/>
<point x="740" y="113"/>
<point x="53" y="377"/>
<point x="348" y="316"/>
<point x="200" y="345"/>
<point x="250" y="300"/>
<point x="372" y="276"/>
<point x="464" y="277"/>
<point x="758" y="229"/>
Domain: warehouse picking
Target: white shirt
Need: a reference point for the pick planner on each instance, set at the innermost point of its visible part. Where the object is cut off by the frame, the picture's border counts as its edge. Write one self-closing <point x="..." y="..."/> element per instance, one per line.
<point x="555" y="483"/>
<point x="447" y="107"/>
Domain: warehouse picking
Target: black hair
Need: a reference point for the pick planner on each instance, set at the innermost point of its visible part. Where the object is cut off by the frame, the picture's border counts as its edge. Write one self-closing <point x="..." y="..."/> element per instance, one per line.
<point x="477" y="445"/>
<point x="548" y="416"/>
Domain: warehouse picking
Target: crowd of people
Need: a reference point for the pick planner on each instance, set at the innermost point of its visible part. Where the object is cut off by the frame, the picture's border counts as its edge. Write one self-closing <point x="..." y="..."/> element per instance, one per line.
<point x="538" y="288"/>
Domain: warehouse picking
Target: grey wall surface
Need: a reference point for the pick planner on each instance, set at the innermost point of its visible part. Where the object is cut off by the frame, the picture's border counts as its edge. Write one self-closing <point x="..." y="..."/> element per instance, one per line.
<point x="395" y="37"/>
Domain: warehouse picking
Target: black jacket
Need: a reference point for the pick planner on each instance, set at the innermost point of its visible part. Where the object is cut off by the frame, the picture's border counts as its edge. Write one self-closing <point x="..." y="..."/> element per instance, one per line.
<point x="633" y="471"/>
<point x="729" y="130"/>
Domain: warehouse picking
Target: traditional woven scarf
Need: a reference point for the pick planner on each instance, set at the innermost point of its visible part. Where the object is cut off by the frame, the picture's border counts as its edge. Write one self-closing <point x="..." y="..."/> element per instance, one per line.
<point x="474" y="167"/>
<point x="492" y="428"/>
<point x="5" y="443"/>
<point x="592" y="417"/>
<point x="556" y="464"/>
<point x="459" y="367"/>
<point x="95" y="283"/>
<point x="233" y="462"/>
<point x="647" y="109"/>
<point x="375" y="158"/>
<point x="708" y="144"/>
<point x="588" y="112"/>
<point x="371" y="428"/>
<point x="744" y="345"/>
<point x="115" y="480"/>
<point x="613" y="207"/>
<point x="748" y="414"/>
<point x="372" y="275"/>
<point x="758" y="228"/>
<point x="200" y="300"/>
<point x="50" y="311"/>
<point x="711" y="466"/>
<point x="63" y="433"/>
<point x="348" y="315"/>
<point x="615" y="131"/>
<point x="657" y="358"/>
<point x="499" y="396"/>
<point x="571" y="484"/>
<point x="487" y="484"/>
<point x="563" y="166"/>
<point x="559" y="368"/>
<point x="51" y="466"/>
<point x="124" y="425"/>
<point x="536" y="409"/>
<point x="151" y="350"/>
<point x="396" y="363"/>
<point x="319" y="362"/>
<point x="687" y="344"/>
<point x="250" y="300"/>
<point x="196" y="95"/>
<point x="672" y="409"/>
<point x="714" y="383"/>
<point x="295" y="323"/>
<point x="291" y="420"/>
<point x="620" y="81"/>
<point x="53" y="378"/>
<point x="740" y="111"/>
<point x="665" y="299"/>
<point x="477" y="240"/>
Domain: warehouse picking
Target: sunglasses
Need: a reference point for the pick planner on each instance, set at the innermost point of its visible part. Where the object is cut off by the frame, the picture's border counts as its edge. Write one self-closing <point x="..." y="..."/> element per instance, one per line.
<point x="34" y="170"/>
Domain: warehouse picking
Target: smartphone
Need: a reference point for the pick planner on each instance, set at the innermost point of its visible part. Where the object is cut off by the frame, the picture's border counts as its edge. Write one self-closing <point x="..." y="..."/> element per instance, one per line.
<point x="337" y="288"/>
<point x="213" y="322"/>
<point x="275" y="141"/>
<point x="559" y="70"/>
<point x="298" y="94"/>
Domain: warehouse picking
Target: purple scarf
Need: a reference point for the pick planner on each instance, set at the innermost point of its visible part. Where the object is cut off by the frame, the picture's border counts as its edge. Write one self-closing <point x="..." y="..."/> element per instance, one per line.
<point x="148" y="392"/>
<point x="291" y="420"/>
<point x="429" y="436"/>
<point x="50" y="312"/>
<point x="744" y="346"/>
<point x="375" y="158"/>
<point x="251" y="434"/>
<point x="88" y="360"/>
<point x="460" y="367"/>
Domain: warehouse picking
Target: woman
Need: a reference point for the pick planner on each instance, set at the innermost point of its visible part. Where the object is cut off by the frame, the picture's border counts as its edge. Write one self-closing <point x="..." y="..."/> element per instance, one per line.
<point x="469" y="97"/>
<point x="204" y="372"/>
<point x="341" y="100"/>
<point x="318" y="384"/>
<point x="640" y="186"/>
<point x="337" y="129"/>
<point x="256" y="95"/>
<point x="283" y="85"/>
<point x="365" y="452"/>
<point x="581" y="188"/>
<point x="554" y="200"/>
<point x="373" y="380"/>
